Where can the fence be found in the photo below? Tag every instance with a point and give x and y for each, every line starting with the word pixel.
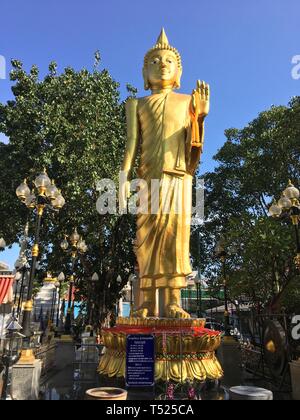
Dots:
pixel 46 353
pixel 87 353
pixel 267 346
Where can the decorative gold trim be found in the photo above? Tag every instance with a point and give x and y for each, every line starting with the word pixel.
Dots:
pixel 35 250
pixel 51 280
pixel 161 322
pixel 27 357
pixel 184 349
pixel 28 307
pixel 113 364
pixel 42 191
pixel 40 209
pixel 295 220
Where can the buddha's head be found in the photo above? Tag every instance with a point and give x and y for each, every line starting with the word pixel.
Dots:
pixel 162 66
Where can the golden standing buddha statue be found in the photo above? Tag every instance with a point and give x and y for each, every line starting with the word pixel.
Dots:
pixel 168 128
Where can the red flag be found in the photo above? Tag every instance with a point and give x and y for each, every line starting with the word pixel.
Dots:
pixel 6 283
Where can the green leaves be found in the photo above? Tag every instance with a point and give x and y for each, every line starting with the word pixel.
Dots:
pixel 73 124
pixel 253 166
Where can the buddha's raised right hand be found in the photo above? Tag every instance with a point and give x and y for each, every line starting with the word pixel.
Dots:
pixel 201 99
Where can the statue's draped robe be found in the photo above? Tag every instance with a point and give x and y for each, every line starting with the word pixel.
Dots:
pixel 162 244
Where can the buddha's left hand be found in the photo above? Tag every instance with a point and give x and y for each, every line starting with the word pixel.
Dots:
pixel 201 99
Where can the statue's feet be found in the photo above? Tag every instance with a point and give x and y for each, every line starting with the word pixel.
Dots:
pixel 174 311
pixel 144 311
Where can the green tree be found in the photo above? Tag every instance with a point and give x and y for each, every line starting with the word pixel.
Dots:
pixel 73 124
pixel 253 166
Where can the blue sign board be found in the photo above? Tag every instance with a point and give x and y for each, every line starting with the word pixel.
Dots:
pixel 140 361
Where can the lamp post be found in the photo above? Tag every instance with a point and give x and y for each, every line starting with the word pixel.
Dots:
pixel 289 206
pixel 23 286
pixel 77 246
pixel 45 195
pixel 94 281
pixel 12 345
pixel 222 254
pixel 53 303
pixel 132 278
pixel 199 294
pixel 198 280
pixel 60 280
pixel 18 278
pixel 21 266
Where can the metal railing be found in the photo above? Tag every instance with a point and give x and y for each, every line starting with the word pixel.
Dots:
pixel 87 353
pixel 267 347
pixel 46 353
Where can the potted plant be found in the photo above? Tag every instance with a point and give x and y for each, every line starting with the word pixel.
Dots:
pixel 185 391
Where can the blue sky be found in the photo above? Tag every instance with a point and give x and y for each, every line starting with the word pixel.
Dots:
pixel 243 49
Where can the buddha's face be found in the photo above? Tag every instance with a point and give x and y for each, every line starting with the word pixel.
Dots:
pixel 162 70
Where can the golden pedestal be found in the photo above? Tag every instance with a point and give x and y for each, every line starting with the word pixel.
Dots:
pixel 184 349
pixel 27 357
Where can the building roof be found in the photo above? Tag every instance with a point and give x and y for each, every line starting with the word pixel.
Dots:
pixel 3 266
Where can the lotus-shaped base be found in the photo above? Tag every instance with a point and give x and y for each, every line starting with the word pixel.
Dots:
pixel 184 349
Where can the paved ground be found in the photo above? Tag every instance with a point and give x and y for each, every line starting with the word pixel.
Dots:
pixel 70 383
pixel 73 381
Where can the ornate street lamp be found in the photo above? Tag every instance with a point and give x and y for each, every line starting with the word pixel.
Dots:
pixel 44 195
pixel 94 280
pixel 75 246
pixel 289 206
pixel 12 345
pixel 222 254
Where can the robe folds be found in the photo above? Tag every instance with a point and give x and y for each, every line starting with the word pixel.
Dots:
pixel 163 231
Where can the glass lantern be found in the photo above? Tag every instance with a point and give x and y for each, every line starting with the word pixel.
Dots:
pixel 275 210
pixel 291 192
pixel 52 191
pixel 11 345
pixel 23 191
pixel 59 202
pixel 74 238
pixel 42 181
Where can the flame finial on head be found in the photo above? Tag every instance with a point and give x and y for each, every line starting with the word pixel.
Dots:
pixel 162 39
